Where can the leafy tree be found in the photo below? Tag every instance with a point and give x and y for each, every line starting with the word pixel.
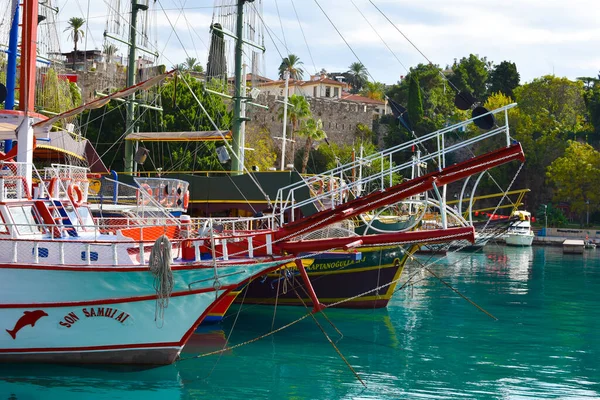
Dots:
pixel 358 76
pixel 298 110
pixel 292 64
pixel 264 154
pixel 575 176
pixel 312 130
pixel 415 101
pixel 57 95
pixel 592 101
pixel 471 73
pixel 75 32
pixel 109 51
pixel 181 113
pixel 550 112
pixel 191 64
pixel 504 78
pixel 437 97
pixel 373 90
pixel 555 216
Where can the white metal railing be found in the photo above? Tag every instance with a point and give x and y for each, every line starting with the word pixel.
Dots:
pixel 333 188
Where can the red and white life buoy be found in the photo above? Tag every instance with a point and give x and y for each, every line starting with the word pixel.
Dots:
pixel 141 199
pixel 52 186
pixel 75 194
pixel 186 199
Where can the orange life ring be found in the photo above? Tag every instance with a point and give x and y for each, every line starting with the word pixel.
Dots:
pixel 186 199
pixel 143 200
pixel 75 195
pixel 52 187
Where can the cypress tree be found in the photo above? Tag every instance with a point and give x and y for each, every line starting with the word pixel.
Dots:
pixel 415 102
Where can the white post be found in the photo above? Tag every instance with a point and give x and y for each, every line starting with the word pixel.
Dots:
pixel 25 149
pixel 243 115
pixel 286 76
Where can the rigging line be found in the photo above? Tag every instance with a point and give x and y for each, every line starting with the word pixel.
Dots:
pixel 343 38
pixel 280 23
pixel 304 36
pixel 413 45
pixel 377 33
pixel 191 37
pixel 460 294
pixel 251 175
pixel 172 29
pixel 269 33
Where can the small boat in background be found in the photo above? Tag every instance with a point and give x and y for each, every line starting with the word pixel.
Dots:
pixel 519 232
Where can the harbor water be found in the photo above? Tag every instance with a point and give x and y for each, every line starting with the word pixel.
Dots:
pixel 429 343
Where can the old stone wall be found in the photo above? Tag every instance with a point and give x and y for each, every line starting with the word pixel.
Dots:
pixel 101 80
pixel 339 117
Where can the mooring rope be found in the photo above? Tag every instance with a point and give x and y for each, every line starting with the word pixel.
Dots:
pixel 159 265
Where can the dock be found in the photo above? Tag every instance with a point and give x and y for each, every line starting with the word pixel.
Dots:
pixel 573 246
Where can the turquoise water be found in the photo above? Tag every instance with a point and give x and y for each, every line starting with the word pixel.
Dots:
pixel 429 343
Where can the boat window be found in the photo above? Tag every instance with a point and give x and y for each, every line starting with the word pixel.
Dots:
pixel 86 216
pixel 23 219
pixel 3 227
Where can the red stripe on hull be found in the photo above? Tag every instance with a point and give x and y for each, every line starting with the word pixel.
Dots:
pixel 149 356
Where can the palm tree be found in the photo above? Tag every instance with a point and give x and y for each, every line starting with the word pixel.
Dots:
pixel 109 51
pixel 191 64
pixel 298 110
pixel 312 130
pixel 292 64
pixel 358 76
pixel 373 90
pixel 75 32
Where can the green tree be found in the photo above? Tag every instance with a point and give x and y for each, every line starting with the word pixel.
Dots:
pixel 592 101
pixel 550 112
pixel 471 74
pixel 109 51
pixel 504 78
pixel 298 110
pixel 313 131
pixel 373 90
pixel 191 64
pixel 437 96
pixel 415 101
pixel 576 176
pixel 75 33
pixel 292 64
pixel 264 154
pixel 358 76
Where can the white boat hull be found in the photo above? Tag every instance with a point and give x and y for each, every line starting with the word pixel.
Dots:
pixel 106 315
pixel 519 240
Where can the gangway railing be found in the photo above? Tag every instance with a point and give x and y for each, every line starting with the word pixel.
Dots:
pixel 330 188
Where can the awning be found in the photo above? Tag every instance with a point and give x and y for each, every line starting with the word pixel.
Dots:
pixel 203 136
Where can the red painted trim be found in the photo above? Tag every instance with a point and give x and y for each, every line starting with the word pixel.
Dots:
pixel 90 348
pixel 136 268
pixel 131 299
pixel 19 113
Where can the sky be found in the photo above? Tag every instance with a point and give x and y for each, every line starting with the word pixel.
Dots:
pixel 541 36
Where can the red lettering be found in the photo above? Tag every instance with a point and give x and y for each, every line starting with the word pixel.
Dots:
pixel 113 313
pixel 64 324
pixel 101 311
pixel 92 313
pixel 120 316
pixel 86 312
pixel 69 319
pixel 127 316
pixel 74 316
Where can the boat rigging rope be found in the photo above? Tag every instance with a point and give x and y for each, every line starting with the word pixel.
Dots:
pixel 159 265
